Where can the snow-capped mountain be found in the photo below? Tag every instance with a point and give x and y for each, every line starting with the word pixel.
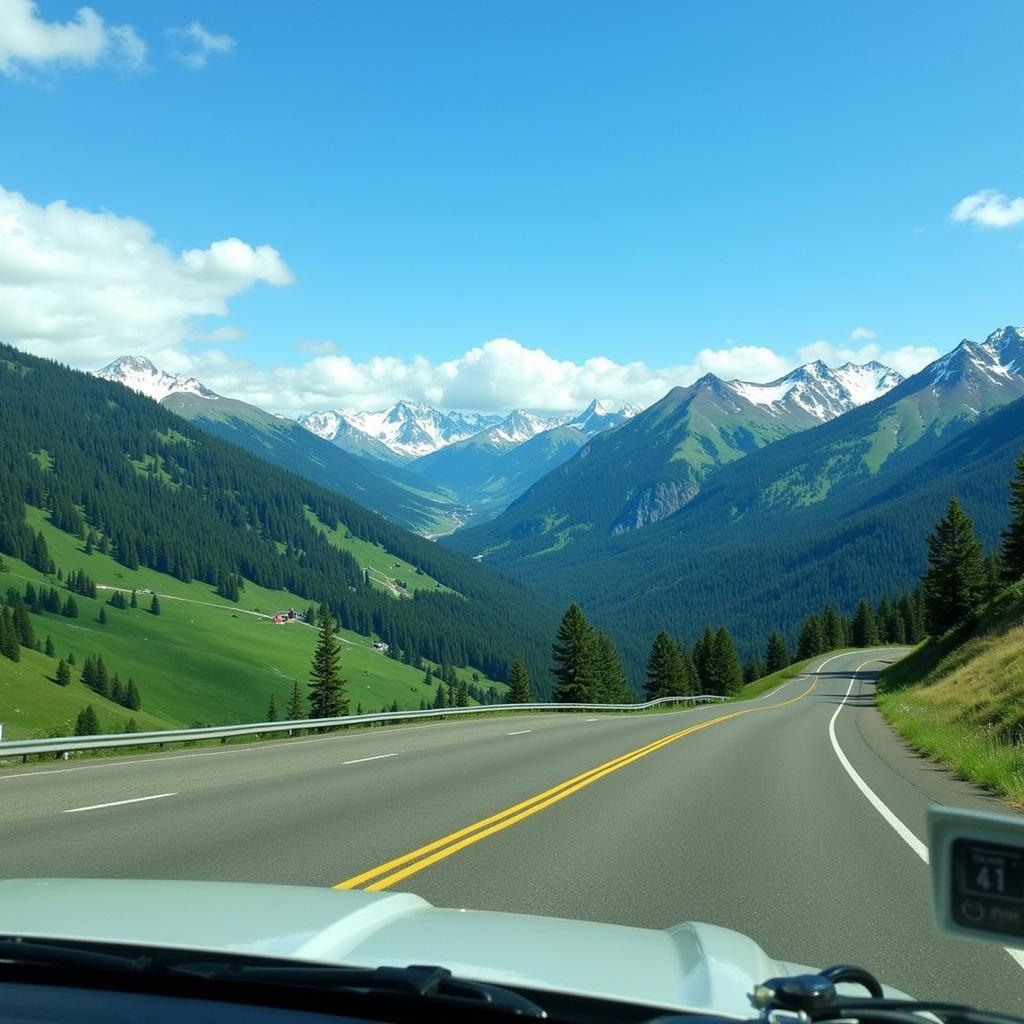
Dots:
pixel 999 357
pixel 139 374
pixel 819 390
pixel 599 416
pixel 519 426
pixel 409 429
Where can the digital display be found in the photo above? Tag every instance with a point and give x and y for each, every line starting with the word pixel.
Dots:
pixel 988 887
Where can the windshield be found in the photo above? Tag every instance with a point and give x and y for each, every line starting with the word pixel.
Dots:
pixel 551 458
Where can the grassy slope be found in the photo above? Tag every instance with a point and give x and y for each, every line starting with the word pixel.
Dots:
pixel 203 658
pixel 387 571
pixel 960 700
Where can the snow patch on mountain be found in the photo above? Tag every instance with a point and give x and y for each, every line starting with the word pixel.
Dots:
pixel 139 374
pixel 600 416
pixel 410 429
pixel 819 390
pixel 1000 355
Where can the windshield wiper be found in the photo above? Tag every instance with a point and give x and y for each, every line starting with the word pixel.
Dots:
pixel 418 980
pixel 45 953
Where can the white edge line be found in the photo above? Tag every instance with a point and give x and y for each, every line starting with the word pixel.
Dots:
pixel 118 803
pixel 376 757
pixel 897 826
pixel 521 732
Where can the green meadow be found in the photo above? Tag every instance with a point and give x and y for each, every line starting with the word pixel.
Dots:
pixel 202 659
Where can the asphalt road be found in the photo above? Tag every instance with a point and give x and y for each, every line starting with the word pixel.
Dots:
pixel 742 815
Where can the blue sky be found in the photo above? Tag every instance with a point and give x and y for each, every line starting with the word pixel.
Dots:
pixel 656 188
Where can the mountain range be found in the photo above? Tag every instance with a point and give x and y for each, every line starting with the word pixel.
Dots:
pixel 437 471
pixel 704 510
pixel 408 500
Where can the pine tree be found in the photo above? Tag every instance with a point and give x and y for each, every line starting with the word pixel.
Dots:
pixel 611 686
pixel 70 609
pixel 102 685
pixel 702 654
pixel 428 677
pixel 439 698
pixel 726 676
pixel 134 602
pixel 296 708
pixel 461 694
pixel 573 656
pixel 71 658
pixel 995 574
pixel 102 617
pixel 812 638
pixel 519 691
pixel 63 677
pixel 832 628
pixel 776 655
pixel 117 689
pixel 327 687
pixel 49 649
pixel 272 709
pixel 132 697
pixel 23 626
pixel 87 723
pixel 753 669
pixel 955 581
pixel 154 606
pixel 9 646
pixel 1013 535
pixel 865 626
pixel 913 627
pixel 664 676
pixel 89 672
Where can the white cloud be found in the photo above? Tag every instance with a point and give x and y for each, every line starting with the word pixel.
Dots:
pixel 29 42
pixel 907 359
pixel 862 334
pixel 989 208
pixel 494 377
pixel 86 287
pixel 194 45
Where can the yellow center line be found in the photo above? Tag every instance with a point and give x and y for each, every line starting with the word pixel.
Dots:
pixel 393 871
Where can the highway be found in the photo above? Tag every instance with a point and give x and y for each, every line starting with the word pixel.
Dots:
pixel 744 815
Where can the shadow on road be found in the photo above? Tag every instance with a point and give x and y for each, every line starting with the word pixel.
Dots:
pixel 855 700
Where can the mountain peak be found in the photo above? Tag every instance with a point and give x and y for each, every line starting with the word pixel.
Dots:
pixel 817 390
pixel 999 357
pixel 128 364
pixel 139 374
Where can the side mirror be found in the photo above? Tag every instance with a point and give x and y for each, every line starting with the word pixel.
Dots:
pixel 977 865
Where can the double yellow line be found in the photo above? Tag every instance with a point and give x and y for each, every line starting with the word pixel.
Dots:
pixel 394 871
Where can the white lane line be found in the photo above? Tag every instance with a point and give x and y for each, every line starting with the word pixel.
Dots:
pixel 119 803
pixel 521 732
pixel 376 757
pixel 897 826
pixel 593 719
pixel 894 823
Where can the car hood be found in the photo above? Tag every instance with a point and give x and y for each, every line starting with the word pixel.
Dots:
pixel 691 966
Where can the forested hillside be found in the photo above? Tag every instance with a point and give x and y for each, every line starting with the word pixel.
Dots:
pixel 756 564
pixel 157 492
pixel 403 498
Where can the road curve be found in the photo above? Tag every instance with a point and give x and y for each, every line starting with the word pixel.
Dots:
pixel 742 815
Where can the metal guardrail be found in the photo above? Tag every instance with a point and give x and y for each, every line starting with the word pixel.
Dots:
pixel 67 744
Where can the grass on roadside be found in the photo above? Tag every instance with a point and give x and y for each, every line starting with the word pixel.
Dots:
pixel 959 699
